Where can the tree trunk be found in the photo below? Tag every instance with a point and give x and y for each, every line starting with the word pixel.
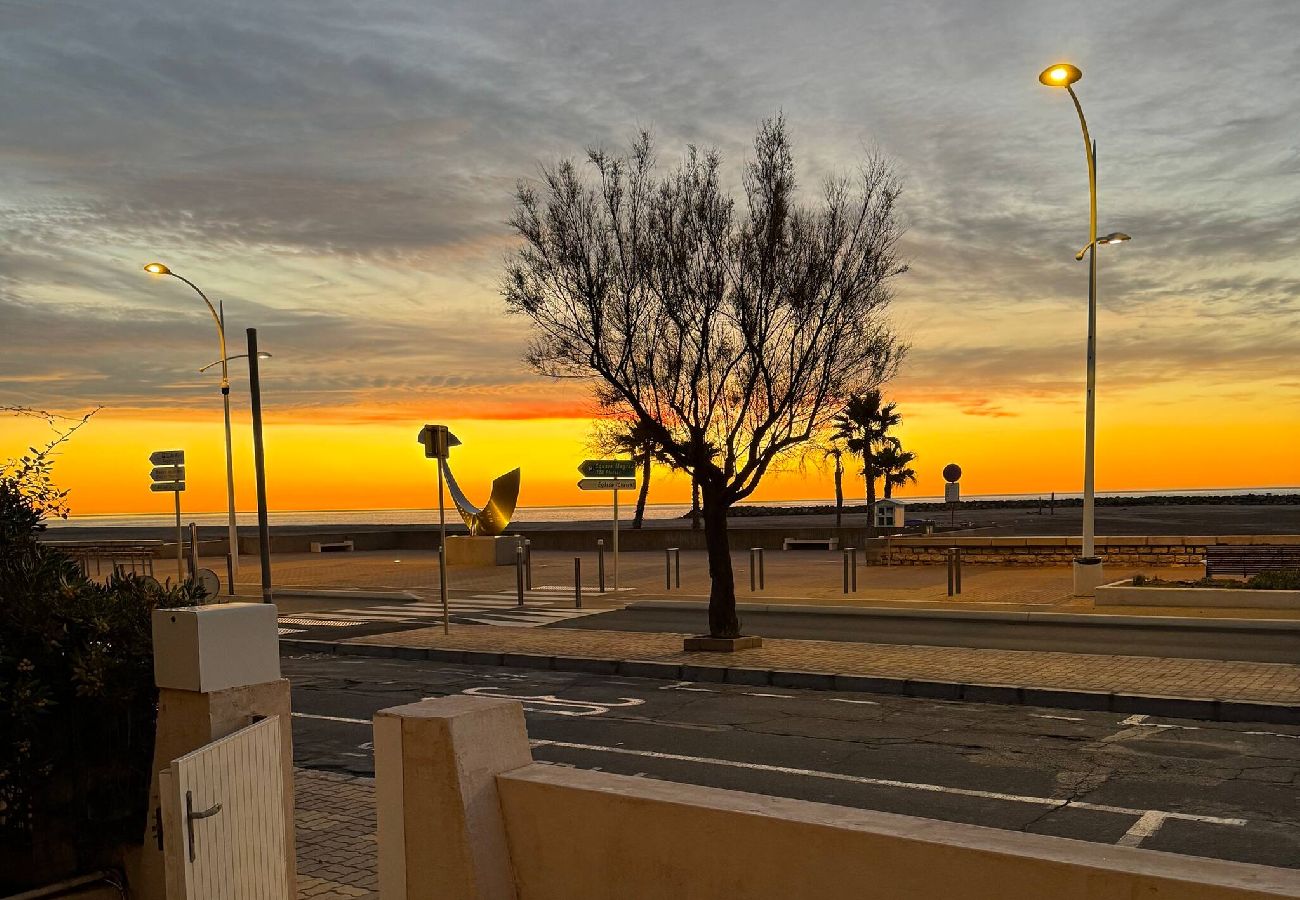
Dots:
pixel 889 487
pixel 839 492
pixel 695 503
pixel 868 473
pixel 645 491
pixel 723 622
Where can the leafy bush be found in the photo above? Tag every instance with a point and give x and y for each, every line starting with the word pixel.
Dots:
pixel 1275 580
pixel 1139 580
pixel 77 701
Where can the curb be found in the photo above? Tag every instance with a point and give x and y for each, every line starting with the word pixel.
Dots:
pixel 1005 694
pixel 962 615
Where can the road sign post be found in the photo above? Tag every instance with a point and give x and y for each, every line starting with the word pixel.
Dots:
pixel 609 475
pixel 259 464
pixel 168 475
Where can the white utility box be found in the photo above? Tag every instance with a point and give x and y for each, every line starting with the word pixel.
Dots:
pixel 210 648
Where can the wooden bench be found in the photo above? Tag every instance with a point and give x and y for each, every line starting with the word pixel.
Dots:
pixel 138 555
pixel 1234 559
pixel 810 543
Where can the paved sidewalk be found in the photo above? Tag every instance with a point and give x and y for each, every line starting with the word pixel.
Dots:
pixel 810 577
pixel 335 821
pixel 1131 675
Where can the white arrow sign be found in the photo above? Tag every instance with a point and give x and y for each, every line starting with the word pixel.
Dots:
pixel 168 473
pixel 161 486
pixel 607 484
pixel 167 457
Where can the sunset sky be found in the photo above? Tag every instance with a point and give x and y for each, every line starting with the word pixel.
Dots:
pixel 340 174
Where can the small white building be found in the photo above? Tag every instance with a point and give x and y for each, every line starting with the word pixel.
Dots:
pixel 888 513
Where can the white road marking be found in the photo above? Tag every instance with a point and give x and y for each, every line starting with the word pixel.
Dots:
pixel 846 700
pixel 549 703
pixel 886 782
pixel 1062 718
pixel 1146 825
pixel 697 690
pixel 345 719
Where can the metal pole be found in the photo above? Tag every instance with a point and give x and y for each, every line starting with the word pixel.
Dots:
pixel 668 568
pixel 677 558
pixel 853 567
pixel 259 463
pixel 232 528
pixel 180 543
pixel 230 576
pixel 577 582
pixel 528 564
pixel 615 540
pixel 957 568
pixel 762 574
pixel 194 550
pixel 753 572
pixel 950 572
pixel 844 555
pixel 600 562
pixel 519 574
pixel 442 555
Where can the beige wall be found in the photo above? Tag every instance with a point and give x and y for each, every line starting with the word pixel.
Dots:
pixel 1131 550
pixel 578 835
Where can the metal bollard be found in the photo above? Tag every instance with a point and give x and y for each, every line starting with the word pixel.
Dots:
pixel 957 567
pixel 600 563
pixel 677 566
pixel 954 571
pixel 844 557
pixel 194 550
pixel 671 553
pixel 756 570
pixel 577 582
pixel 853 568
pixel 528 564
pixel 230 574
pixel 519 574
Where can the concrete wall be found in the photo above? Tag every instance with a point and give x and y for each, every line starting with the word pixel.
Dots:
pixel 1131 550
pixel 454 780
pixel 1123 593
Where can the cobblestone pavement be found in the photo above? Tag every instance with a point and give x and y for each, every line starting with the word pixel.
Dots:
pixel 1216 679
pixel 810 577
pixel 335 819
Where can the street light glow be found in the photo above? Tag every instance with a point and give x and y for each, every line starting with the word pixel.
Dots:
pixel 157 268
pixel 1114 237
pixel 1060 75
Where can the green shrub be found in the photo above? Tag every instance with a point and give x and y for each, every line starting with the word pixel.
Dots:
pixel 1139 580
pixel 77 702
pixel 1275 580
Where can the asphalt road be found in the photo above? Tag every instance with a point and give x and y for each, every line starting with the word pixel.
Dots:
pixel 1205 789
pixel 1143 639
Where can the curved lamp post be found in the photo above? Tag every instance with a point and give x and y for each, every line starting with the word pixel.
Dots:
pixel 1087 568
pixel 157 268
pixel 261 354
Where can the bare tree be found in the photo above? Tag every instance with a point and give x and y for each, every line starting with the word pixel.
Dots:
pixel 733 332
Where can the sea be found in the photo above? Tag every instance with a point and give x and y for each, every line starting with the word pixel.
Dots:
pixel 527 514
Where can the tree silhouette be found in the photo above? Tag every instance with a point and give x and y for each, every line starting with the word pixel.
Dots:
pixel 738 328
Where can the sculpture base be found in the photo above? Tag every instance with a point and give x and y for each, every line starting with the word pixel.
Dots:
pixel 483 550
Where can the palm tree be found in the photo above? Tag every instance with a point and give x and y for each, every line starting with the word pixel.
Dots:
pixel 895 465
pixel 864 426
pixel 837 452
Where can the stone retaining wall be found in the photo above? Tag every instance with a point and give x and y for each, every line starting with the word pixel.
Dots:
pixel 1133 550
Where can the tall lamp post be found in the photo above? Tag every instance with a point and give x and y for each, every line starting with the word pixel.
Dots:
pixel 157 268
pixel 1088 571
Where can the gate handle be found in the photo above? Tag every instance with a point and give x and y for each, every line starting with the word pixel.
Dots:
pixel 191 815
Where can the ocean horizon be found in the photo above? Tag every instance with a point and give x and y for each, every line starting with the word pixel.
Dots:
pixel 577 513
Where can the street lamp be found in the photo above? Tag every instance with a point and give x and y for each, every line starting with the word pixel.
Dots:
pixel 157 268
pixel 1087 567
pixel 261 354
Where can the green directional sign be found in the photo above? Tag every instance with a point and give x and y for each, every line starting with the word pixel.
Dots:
pixel 608 468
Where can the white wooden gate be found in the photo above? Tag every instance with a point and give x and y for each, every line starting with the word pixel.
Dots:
pixel 224 819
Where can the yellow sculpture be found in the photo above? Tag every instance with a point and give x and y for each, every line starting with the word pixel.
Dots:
pixel 496 513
